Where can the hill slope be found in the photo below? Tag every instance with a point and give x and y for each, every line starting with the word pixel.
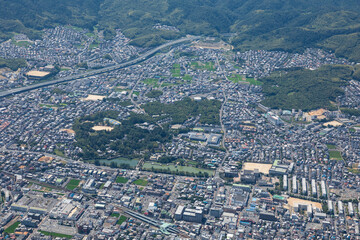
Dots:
pixel 267 24
pixel 306 89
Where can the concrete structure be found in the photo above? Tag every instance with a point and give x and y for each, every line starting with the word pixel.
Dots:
pixel 340 208
pixel 303 186
pixel 294 184
pixel 350 209
pixel 193 215
pixel 89 186
pixel 330 206
pixel 214 139
pixel 195 136
pixel 216 212
pixel 36 75
pixel 323 188
pixel 274 119
pixel 179 213
pixel 313 188
pixel 267 216
pixel 285 182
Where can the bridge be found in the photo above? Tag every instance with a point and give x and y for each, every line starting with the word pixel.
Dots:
pixel 135 61
pixel 166 228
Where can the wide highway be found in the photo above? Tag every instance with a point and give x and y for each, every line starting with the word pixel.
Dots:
pixel 137 60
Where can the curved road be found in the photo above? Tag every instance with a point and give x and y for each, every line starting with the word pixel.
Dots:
pixel 137 60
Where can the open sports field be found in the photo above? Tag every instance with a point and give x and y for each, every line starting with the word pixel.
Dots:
pixel 293 201
pixel 72 184
pixel 336 155
pixel 263 168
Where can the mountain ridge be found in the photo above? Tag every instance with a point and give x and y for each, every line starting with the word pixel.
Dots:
pixel 257 24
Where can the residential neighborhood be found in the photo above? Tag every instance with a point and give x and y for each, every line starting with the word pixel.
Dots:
pixel 220 166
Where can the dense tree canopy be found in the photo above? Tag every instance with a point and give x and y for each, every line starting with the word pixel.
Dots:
pixel 13 64
pixel 306 89
pixel 128 139
pixel 180 111
pixel 266 24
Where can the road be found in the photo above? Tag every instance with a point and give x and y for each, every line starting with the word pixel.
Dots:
pixel 137 60
pixel 131 95
pixel 222 124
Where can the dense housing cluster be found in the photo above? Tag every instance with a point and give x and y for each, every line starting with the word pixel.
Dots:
pixel 178 146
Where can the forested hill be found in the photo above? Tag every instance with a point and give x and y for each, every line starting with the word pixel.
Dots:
pixel 267 24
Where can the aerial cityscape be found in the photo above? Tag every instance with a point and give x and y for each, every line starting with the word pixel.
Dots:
pixel 191 138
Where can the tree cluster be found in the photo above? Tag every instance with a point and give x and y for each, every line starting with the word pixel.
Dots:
pixel 306 89
pixel 125 139
pixel 180 111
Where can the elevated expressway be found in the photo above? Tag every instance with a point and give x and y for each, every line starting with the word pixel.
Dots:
pixel 137 60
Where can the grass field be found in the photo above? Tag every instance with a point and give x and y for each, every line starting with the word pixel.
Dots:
pixel 176 70
pixel 140 182
pixel 354 170
pixel 72 184
pixel 331 146
pixel 12 228
pixel 22 43
pixel 121 180
pixel 172 167
pixel 151 81
pixel 252 81
pixel 236 78
pixel 187 77
pixel 335 155
pixel 59 153
pixel 167 84
pixel 209 66
pixel 94 45
pixel 52 234
pixel 121 220
pixel 115 215
pixel 90 34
